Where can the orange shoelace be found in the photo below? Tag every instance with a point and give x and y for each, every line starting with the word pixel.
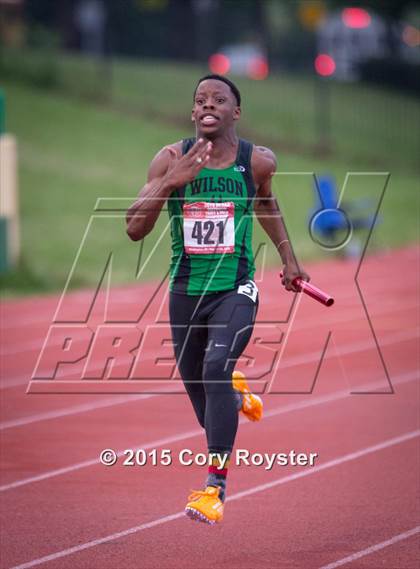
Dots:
pixel 196 494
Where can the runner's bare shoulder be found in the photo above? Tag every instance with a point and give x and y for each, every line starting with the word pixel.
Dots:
pixel 160 163
pixel 263 163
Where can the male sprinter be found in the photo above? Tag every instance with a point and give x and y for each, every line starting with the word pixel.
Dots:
pixel 213 183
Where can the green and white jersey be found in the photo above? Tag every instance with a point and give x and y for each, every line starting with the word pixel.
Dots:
pixel 211 227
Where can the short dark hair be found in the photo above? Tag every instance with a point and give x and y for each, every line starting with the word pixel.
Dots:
pixel 228 82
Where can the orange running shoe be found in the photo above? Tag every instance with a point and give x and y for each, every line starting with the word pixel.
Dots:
pixel 252 405
pixel 205 506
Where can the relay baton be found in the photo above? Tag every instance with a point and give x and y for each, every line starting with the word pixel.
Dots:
pixel 313 291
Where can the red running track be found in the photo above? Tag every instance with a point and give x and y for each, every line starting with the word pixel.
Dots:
pixel 357 507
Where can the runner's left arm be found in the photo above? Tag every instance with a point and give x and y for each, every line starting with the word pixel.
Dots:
pixel 269 215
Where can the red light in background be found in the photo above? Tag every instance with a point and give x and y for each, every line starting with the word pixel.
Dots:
pixel 356 18
pixel 324 65
pixel 411 36
pixel 219 63
pixel 258 68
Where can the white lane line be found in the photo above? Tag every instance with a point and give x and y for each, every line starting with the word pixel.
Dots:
pixel 349 316
pixel 120 295
pixel 400 379
pixel 14 382
pixel 290 362
pixel 347 349
pixel 88 545
pixel 73 410
pixel 95 461
pixel 372 549
pixel 312 402
pixel 133 293
pixel 260 488
pixel 331 463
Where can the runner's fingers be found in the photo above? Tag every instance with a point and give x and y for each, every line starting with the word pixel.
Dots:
pixel 196 148
pixel 203 152
pixel 203 163
pixel 288 284
pixel 201 159
pixel 200 152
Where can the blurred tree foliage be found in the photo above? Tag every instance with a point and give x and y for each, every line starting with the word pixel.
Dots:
pixel 179 29
pixel 191 30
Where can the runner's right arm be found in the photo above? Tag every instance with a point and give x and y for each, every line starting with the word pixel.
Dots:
pixel 167 172
pixel 143 213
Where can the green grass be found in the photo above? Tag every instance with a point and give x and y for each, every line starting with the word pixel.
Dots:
pixel 73 151
pixel 369 126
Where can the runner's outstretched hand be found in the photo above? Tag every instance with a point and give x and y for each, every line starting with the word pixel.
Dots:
pixel 183 170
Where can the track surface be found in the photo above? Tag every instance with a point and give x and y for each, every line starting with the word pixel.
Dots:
pixel 357 507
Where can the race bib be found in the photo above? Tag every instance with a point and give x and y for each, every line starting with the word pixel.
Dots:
pixel 209 227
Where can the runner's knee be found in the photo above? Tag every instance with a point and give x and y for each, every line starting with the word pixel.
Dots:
pixel 216 375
